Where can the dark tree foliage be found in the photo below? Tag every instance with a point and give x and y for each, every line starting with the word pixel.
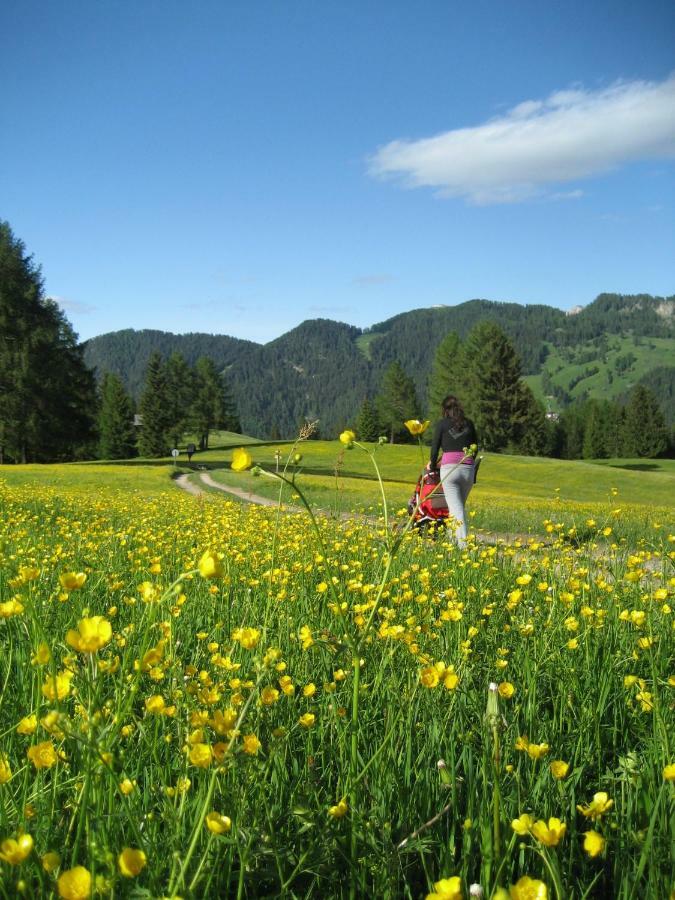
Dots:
pixel 117 432
pixel 154 439
pixel 447 373
pixel 47 394
pixel 644 427
pixel 180 388
pixel 367 423
pixel 492 392
pixel 319 371
pixel 397 402
pixel 212 405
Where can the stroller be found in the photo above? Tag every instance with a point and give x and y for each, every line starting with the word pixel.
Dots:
pixel 427 505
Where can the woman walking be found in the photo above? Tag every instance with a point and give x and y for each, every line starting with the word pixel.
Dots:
pixel 452 434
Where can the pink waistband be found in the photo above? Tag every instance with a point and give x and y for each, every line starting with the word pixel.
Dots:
pixel 455 456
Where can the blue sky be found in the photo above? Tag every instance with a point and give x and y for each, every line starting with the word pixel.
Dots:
pixel 238 167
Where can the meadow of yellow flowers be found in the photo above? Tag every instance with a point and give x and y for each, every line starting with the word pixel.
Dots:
pixel 205 699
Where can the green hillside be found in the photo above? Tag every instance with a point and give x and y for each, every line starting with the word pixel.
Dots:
pixel 605 369
pixel 323 370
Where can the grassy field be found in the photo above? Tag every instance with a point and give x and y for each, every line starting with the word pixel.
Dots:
pixel 203 698
pixel 513 494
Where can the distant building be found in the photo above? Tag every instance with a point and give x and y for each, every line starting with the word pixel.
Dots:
pixel 138 420
pixel 574 311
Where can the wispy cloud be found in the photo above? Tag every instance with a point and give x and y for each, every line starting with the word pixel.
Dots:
pixel 572 134
pixel 373 280
pixel 74 306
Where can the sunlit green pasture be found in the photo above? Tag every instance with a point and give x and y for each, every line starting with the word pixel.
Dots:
pixel 270 707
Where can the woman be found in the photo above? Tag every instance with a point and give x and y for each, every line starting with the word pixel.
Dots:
pixel 452 434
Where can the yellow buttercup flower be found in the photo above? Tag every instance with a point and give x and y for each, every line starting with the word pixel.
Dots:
pixel 522 824
pixel 131 862
pixel 217 823
pixel 599 805
pixel 201 755
pixel 347 437
pixel 307 720
pixel 506 690
pixel 51 861
pixel 210 565
pixel 75 884
pixel 27 725
pixel 559 768
pixel 549 833
pixel 250 744
pixel 15 851
pixel 668 772
pixel 447 889
pixel 5 769
pixel 527 888
pixel 340 809
pixel 594 843
pixel 91 634
pixel 42 655
pixel 43 755
pixel 536 751
pixel 416 427
pixel 72 581
pixel 241 460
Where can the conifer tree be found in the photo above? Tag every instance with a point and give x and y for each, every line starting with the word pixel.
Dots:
pixel 644 431
pixel 447 374
pixel 180 381
pixel 397 401
pixel 153 407
pixel 47 394
pixel 117 432
pixel 494 397
pixel 367 426
pixel 531 435
pixel 212 405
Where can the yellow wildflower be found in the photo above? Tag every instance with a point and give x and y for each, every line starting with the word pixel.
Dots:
pixel 15 851
pixel 131 862
pixel 550 834
pixel 599 805
pixel 446 889
pixel 210 565
pixel 594 843
pixel 75 884
pixel 91 634
pixel 241 460
pixel 217 823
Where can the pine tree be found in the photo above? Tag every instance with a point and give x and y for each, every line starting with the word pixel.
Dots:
pixel 447 374
pixel 531 436
pixel 645 432
pixel 493 396
pixel 212 405
pixel 153 407
pixel 367 425
pixel 179 387
pixel 117 433
pixel 47 394
pixel 397 401
pixel 595 432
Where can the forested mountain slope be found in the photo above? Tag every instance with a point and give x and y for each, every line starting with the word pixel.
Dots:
pixel 323 369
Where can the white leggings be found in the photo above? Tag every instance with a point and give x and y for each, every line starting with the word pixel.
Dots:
pixel 457 480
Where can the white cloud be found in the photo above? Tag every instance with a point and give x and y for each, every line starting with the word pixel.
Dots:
pixel 573 134
pixel 74 306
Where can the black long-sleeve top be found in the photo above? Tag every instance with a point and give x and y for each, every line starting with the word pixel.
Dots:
pixel 450 440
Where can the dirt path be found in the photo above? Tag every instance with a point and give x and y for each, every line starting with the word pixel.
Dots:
pixel 183 482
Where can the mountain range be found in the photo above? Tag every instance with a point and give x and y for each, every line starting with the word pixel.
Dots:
pixel 323 370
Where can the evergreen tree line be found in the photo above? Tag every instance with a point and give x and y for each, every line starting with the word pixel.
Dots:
pixel 47 393
pixel 484 371
pixel 50 408
pixel 176 398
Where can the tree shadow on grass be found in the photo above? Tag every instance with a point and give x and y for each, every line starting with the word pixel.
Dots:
pixel 637 467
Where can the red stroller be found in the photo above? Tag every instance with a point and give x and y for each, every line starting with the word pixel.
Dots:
pixel 427 505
